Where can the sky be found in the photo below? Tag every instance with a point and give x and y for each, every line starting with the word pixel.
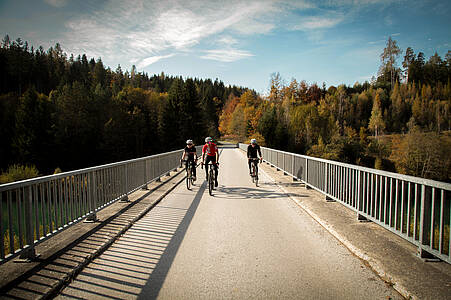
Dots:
pixel 238 42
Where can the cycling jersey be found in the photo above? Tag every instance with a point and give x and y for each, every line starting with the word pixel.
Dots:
pixel 210 149
pixel 190 152
pixel 252 151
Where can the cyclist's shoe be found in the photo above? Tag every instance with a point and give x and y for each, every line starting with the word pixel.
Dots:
pixel 194 178
pixel 216 183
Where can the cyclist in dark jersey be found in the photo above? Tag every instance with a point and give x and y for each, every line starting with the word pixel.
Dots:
pixel 190 155
pixel 252 151
pixel 210 153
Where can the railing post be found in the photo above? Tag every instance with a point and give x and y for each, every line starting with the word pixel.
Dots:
pixel 360 217
pixel 421 252
pixel 306 175
pixel 145 176
pixel 125 185
pixel 29 252
pixel 326 189
pixel 93 199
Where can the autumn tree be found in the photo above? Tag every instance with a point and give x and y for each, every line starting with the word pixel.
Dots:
pixel 388 58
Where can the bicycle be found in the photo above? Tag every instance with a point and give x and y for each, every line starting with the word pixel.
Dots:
pixel 211 178
pixel 254 170
pixel 189 166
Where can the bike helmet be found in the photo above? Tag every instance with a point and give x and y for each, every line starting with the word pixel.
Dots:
pixel 208 139
pixel 254 141
pixel 189 142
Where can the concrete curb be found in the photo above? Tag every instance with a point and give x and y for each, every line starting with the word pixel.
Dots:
pixel 56 288
pixel 374 264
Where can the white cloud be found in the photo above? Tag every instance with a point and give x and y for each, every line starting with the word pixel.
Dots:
pixel 150 60
pixel 227 40
pixel 315 23
pixel 139 30
pixel 56 3
pixel 226 55
pixel 143 29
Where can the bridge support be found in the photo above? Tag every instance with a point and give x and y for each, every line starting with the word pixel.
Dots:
pixel 308 187
pixel 145 188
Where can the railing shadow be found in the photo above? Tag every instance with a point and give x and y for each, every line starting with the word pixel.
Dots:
pixel 137 264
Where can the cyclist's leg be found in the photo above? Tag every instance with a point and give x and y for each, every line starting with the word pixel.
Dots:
pixel 194 167
pixel 249 162
pixel 215 166
pixel 207 160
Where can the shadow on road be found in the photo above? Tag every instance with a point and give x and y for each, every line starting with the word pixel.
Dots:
pixel 234 193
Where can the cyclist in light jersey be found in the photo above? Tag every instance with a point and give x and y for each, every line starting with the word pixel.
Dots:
pixel 210 153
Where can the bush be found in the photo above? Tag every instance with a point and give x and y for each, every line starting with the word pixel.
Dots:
pixel 18 172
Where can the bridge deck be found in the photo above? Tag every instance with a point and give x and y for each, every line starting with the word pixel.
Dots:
pixel 244 242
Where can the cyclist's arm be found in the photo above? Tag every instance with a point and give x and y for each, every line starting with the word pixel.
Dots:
pixel 260 152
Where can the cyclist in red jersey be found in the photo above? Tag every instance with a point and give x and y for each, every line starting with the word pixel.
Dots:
pixel 210 153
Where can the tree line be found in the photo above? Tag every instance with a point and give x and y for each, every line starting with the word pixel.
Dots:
pixel 400 121
pixel 73 112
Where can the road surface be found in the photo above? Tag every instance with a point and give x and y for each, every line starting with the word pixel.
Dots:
pixel 244 242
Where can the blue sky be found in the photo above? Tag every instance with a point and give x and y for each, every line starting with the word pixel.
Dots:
pixel 238 42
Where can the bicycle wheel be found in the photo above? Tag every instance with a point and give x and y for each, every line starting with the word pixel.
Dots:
pixel 210 182
pixel 188 178
pixel 192 177
pixel 253 172
pixel 256 174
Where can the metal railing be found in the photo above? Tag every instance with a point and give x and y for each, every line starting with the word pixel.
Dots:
pixel 33 210
pixel 416 209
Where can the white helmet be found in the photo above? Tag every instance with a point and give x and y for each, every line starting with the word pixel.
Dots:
pixel 189 142
pixel 253 141
pixel 208 139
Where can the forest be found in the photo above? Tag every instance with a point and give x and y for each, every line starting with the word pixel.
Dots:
pixel 64 113
pixel 59 113
pixel 399 122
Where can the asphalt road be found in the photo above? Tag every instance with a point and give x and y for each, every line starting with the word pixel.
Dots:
pixel 244 242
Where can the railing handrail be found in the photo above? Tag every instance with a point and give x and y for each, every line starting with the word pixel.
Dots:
pixel 419 180
pixel 413 208
pixel 40 179
pixel 38 208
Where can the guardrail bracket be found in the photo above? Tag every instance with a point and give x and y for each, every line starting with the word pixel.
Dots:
pixel 426 256
pixel 362 218
pixel 329 199
pixel 28 255
pixel 92 218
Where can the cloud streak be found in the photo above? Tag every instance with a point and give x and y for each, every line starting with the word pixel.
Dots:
pixel 56 3
pixel 226 55
pixel 142 31
pixel 151 60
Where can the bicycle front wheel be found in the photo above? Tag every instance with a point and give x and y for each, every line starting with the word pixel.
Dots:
pixel 256 176
pixel 188 178
pixel 210 182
